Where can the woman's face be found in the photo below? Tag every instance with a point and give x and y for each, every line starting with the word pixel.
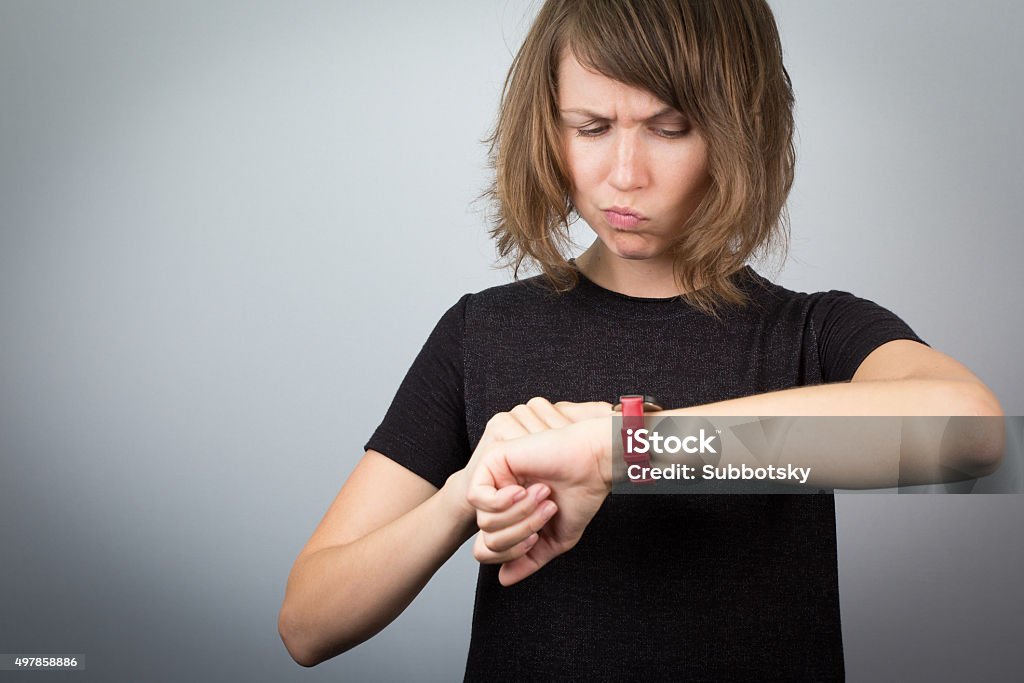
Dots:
pixel 628 151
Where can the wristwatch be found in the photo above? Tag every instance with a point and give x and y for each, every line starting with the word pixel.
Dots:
pixel 633 407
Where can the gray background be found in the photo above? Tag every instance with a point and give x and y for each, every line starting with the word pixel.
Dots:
pixel 227 228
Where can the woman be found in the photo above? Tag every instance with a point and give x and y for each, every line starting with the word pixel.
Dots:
pixel 667 126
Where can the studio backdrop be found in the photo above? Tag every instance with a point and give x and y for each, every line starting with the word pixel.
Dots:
pixel 226 228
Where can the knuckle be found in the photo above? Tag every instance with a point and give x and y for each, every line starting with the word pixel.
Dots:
pixel 538 402
pixel 485 544
pixel 497 419
pixel 494 541
pixel 526 505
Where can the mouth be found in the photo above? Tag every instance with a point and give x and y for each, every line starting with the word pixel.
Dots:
pixel 623 218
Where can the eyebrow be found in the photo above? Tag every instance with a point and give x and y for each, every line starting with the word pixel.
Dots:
pixel 664 111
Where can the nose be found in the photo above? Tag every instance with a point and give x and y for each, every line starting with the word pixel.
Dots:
pixel 628 164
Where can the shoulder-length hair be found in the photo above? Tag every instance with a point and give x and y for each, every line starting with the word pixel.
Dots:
pixel 719 63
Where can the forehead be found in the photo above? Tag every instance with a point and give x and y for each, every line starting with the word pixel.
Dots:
pixel 584 89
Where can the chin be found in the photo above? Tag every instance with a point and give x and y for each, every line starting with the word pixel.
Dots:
pixel 632 246
pixel 634 255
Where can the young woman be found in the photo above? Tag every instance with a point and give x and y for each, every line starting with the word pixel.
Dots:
pixel 666 125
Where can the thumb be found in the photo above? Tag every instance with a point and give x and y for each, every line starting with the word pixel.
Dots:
pixel 485 496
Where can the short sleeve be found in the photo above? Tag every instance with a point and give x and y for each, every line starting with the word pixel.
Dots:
pixel 424 430
pixel 848 329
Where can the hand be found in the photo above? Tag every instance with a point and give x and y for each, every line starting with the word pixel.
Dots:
pixel 509 533
pixel 509 529
pixel 536 415
pixel 574 461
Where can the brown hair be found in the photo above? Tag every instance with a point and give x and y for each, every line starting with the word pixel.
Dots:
pixel 719 63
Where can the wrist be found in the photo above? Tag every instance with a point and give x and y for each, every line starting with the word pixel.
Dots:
pixel 458 507
pixel 602 449
pixel 630 461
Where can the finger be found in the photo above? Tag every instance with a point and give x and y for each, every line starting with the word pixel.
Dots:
pixel 485 555
pixel 548 413
pixel 515 493
pixel 518 511
pixel 539 555
pixel 492 473
pixel 528 419
pixel 505 539
pixel 503 426
pixel 578 412
pixel 484 495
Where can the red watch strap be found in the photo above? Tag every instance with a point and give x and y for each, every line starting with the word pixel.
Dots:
pixel 632 412
pixel 632 420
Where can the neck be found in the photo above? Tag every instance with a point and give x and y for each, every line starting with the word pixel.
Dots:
pixel 646 278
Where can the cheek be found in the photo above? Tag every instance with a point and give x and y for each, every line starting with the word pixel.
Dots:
pixel 582 167
pixel 587 160
pixel 691 175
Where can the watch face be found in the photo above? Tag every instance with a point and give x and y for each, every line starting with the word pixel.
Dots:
pixel 651 405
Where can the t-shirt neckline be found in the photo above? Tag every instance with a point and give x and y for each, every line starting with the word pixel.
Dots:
pixel 641 308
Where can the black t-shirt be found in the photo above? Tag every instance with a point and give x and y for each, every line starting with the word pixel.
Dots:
pixel 672 587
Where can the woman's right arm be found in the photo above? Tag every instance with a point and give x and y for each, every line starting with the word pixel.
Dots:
pixel 387 532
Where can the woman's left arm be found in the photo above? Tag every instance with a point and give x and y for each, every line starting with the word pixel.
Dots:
pixel 900 377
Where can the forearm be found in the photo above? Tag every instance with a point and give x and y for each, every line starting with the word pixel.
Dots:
pixel 882 397
pixel 843 452
pixel 340 596
pixel 861 452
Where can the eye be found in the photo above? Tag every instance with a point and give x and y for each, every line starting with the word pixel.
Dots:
pixel 671 133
